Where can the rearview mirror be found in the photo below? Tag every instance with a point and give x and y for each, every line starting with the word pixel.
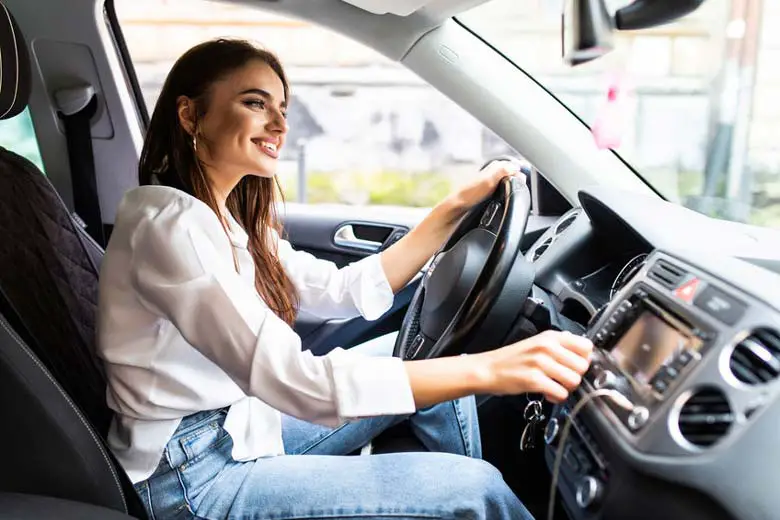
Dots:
pixel 642 14
pixel 591 25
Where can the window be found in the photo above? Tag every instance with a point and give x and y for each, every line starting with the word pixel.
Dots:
pixel 363 130
pixel 17 134
pixel 701 116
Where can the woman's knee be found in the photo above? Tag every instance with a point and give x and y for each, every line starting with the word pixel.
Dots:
pixel 483 493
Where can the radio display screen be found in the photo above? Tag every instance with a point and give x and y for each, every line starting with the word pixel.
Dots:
pixel 648 345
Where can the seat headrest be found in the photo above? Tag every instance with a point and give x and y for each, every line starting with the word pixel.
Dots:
pixel 15 79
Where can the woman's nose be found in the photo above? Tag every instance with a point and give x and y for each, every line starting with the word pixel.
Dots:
pixel 278 123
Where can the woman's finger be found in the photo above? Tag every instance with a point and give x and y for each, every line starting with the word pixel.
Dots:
pixel 560 373
pixel 580 345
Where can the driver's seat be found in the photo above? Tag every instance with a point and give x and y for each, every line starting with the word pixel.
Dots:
pixel 52 389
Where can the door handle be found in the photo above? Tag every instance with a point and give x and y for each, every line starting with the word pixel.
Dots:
pixel 345 237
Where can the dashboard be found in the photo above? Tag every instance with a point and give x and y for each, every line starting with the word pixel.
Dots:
pixel 684 311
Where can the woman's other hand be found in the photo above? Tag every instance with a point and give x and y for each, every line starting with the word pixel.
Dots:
pixel 404 259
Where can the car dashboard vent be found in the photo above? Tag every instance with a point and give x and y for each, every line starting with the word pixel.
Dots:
pixel 756 359
pixel 539 251
pixel 706 417
pixel 564 224
pixel 666 274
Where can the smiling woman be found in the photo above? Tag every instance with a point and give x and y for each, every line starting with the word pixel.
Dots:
pixel 226 116
pixel 205 373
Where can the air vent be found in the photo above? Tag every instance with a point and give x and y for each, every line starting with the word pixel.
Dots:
pixel 666 274
pixel 756 359
pixel 565 223
pixel 539 251
pixel 705 417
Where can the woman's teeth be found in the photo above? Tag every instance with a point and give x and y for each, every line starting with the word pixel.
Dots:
pixel 269 146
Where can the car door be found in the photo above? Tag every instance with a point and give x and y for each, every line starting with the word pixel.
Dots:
pixel 343 235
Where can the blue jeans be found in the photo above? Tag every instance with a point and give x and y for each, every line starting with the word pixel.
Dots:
pixel 198 479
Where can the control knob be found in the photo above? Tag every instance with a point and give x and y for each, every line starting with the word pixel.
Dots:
pixel 605 379
pixel 589 491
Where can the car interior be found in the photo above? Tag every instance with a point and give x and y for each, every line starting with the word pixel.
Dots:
pixel 677 416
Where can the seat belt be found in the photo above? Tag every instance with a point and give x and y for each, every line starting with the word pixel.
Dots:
pixel 76 106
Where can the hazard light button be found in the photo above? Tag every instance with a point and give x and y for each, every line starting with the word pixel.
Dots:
pixel 687 291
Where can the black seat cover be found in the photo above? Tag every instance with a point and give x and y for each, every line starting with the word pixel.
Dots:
pixel 52 386
pixel 48 280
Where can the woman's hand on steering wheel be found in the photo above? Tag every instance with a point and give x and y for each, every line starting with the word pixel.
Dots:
pixel 484 185
pixel 551 363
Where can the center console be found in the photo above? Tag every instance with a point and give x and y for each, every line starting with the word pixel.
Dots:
pixel 657 344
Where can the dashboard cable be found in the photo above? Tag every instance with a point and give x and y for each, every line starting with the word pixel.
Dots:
pixel 616 397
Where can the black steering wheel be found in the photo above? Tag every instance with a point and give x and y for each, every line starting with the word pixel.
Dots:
pixel 473 289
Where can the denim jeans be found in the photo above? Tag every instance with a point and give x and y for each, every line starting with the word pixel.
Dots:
pixel 198 479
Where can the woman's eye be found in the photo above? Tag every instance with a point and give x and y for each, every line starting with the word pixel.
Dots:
pixel 255 103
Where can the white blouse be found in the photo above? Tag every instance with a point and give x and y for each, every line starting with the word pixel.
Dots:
pixel 181 331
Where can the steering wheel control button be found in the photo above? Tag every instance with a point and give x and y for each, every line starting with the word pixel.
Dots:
pixel 638 418
pixel 551 431
pixel 489 214
pixel 589 492
pixel 415 347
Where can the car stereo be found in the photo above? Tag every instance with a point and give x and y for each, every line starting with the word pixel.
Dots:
pixel 644 349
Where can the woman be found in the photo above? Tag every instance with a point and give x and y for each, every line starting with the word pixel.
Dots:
pixel 210 387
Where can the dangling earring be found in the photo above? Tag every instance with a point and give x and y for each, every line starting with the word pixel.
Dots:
pixel 194 143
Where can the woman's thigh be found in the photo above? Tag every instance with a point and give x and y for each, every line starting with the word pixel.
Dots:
pixel 401 485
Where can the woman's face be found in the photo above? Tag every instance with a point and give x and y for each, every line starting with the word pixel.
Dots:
pixel 244 126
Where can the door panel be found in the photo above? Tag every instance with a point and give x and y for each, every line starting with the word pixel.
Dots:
pixel 345 234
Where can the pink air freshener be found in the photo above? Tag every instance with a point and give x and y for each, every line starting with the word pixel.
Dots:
pixel 610 121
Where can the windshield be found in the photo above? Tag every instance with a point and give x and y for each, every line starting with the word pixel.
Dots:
pixel 696 114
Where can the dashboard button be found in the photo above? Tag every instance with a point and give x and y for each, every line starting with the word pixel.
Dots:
pixel 670 372
pixel 589 491
pixel 660 384
pixel 685 357
pixel 720 305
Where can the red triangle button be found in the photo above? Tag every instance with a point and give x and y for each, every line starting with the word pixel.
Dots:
pixel 687 291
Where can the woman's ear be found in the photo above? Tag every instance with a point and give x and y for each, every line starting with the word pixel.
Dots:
pixel 185 109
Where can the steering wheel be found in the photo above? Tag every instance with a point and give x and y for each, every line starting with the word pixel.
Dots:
pixel 471 293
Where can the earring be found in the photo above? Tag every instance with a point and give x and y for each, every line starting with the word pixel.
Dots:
pixel 194 143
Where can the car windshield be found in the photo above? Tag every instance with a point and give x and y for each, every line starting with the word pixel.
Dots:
pixel 693 109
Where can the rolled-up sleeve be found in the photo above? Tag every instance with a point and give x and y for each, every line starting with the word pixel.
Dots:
pixel 329 292
pixel 180 274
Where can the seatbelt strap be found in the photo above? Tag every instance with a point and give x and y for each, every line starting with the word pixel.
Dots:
pixel 76 108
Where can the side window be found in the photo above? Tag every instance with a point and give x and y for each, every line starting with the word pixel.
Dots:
pixel 17 134
pixel 363 129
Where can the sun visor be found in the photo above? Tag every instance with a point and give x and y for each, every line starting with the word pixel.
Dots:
pixel 407 7
pixel 396 7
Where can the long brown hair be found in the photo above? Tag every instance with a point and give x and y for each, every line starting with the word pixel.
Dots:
pixel 169 156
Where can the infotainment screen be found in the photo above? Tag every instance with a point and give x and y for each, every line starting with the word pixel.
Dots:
pixel 649 344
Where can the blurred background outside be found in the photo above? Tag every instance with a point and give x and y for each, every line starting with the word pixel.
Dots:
pixel 701 113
